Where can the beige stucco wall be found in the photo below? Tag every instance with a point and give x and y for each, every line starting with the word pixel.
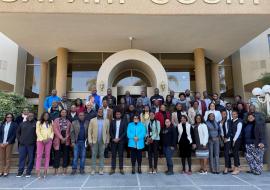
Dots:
pixel 170 7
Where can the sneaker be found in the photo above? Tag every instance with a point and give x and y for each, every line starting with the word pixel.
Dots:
pixel 82 172
pixel 19 174
pixel 150 171
pixel 93 172
pixel 28 175
pixel 101 172
pixel 155 171
pixel 5 174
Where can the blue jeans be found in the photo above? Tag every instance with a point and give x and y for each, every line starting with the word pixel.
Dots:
pixel 24 152
pixel 79 152
pixel 168 152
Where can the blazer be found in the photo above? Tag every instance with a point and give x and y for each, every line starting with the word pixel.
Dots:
pixel 57 134
pixel 93 131
pixel 11 133
pixel 203 106
pixel 136 131
pixel 175 121
pixel 44 133
pixel 189 130
pixel 259 134
pixel 75 130
pixel 122 130
pixel 203 134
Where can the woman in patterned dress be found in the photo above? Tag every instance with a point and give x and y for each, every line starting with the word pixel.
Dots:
pixel 254 139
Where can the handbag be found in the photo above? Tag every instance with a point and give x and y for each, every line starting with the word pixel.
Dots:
pixel 202 153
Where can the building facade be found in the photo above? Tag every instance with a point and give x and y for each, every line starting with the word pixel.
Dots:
pixel 138 45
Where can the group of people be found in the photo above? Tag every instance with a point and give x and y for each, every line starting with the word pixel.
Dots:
pixel 155 125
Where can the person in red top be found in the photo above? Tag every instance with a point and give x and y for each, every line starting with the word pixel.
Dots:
pixel 161 116
pixel 79 106
pixel 202 104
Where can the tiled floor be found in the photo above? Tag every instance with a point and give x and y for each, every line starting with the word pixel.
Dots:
pixel 140 182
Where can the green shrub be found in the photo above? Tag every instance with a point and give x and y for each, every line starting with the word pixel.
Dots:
pixel 12 103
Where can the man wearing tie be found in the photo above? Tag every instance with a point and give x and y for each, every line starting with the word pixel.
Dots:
pixel 229 111
pixel 118 132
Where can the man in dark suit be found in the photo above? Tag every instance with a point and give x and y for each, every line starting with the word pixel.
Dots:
pixel 118 132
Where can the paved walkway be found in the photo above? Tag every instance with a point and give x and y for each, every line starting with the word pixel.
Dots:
pixel 140 182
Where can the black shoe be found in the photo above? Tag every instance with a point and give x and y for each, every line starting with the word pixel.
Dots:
pixel 82 172
pixel 73 172
pixel 122 172
pixel 133 170
pixel 112 172
pixel 139 170
pixel 28 174
pixel 20 174
pixel 169 173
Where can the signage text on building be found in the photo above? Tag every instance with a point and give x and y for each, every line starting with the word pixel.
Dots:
pixel 159 2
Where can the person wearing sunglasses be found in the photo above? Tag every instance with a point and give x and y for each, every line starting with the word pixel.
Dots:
pixel 7 139
pixel 136 133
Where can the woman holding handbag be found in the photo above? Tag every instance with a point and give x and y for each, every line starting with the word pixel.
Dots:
pixel 201 139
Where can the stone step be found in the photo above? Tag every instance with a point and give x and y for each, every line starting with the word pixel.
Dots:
pixel 162 167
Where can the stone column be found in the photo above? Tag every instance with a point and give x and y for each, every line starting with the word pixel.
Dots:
pixel 215 78
pixel 43 86
pixel 61 71
pixel 199 62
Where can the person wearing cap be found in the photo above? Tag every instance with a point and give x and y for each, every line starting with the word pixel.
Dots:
pixel 136 133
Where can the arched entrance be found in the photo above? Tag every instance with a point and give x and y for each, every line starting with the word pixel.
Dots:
pixel 140 63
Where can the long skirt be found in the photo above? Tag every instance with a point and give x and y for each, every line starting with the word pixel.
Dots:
pixel 254 157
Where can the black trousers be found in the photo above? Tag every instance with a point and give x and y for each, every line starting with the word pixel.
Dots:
pixel 227 148
pixel 117 148
pixel 153 153
pixel 136 155
pixel 236 148
pixel 62 152
pixel 161 146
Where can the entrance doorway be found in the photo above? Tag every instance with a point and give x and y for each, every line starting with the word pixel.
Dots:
pixel 132 70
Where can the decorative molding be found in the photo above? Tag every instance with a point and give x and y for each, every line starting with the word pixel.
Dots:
pixel 158 2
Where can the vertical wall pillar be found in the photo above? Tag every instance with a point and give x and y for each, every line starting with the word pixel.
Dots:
pixel 43 86
pixel 61 71
pixel 215 78
pixel 200 75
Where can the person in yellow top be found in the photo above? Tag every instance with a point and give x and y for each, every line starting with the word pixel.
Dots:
pixel 44 130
